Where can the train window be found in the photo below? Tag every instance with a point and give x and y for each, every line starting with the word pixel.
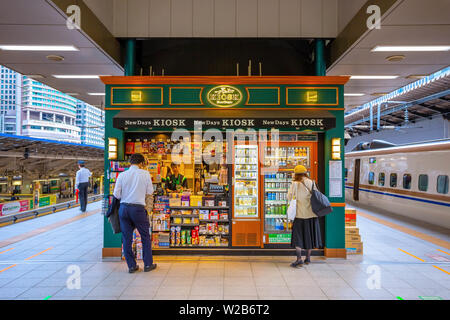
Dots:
pixel 407 181
pixel 393 180
pixel 381 178
pixel 423 182
pixel 442 184
pixel 371 177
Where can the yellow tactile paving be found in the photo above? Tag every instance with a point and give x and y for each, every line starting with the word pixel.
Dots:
pixel 417 234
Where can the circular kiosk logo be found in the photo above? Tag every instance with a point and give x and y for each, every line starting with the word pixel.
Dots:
pixel 224 96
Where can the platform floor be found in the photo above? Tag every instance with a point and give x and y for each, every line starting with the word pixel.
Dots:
pixel 35 257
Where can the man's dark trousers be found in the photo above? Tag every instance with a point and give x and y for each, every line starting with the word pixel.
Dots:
pixel 131 217
pixel 83 195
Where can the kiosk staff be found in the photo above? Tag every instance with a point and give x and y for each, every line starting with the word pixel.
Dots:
pixel 175 181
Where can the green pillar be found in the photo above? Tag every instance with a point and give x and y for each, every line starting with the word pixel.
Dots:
pixel 319 57
pixel 130 57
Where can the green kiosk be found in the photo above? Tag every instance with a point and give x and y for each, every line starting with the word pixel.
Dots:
pixel 262 126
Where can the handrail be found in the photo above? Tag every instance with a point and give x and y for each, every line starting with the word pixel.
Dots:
pixel 34 213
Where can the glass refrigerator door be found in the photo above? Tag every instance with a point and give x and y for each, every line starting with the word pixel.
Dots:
pixel 277 181
pixel 246 181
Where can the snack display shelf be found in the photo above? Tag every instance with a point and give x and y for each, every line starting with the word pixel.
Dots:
pixel 202 207
pixel 185 224
pixel 212 220
pixel 184 215
pixel 245 179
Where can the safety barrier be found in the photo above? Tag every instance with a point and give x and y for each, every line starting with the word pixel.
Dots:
pixel 39 212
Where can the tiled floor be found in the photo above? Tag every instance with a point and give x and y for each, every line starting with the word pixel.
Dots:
pixel 46 276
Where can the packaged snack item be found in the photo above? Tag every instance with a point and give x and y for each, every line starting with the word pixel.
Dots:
pixel 217 241
pixel 216 227
pixel 187 220
pixel 178 236
pixel 172 236
pixel 202 240
pixel 202 229
pixel 222 203
pixel 138 147
pixel 214 215
pixel 223 215
pixel 188 238
pixel 129 147
pixel 183 237
pixel 204 214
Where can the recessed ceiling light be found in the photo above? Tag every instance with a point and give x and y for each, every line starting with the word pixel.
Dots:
pixel 96 93
pixel 66 76
pixel 376 94
pixel 395 58
pixel 353 94
pixel 54 57
pixel 37 48
pixel 72 93
pixel 372 77
pixel 410 48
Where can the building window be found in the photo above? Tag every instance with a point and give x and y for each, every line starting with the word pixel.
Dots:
pixel 423 182
pixel 442 184
pixel 393 180
pixel 407 181
pixel 371 177
pixel 381 177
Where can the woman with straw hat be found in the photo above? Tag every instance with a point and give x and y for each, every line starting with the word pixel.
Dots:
pixel 306 229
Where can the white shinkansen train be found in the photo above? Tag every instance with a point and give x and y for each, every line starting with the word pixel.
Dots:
pixel 409 180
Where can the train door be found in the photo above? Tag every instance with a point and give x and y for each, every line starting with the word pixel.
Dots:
pixel 356 180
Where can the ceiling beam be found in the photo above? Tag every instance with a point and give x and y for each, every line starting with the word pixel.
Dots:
pixel 432 108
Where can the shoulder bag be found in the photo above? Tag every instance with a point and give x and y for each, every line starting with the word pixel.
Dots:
pixel 320 204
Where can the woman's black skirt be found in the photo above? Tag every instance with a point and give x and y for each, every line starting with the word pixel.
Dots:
pixel 306 233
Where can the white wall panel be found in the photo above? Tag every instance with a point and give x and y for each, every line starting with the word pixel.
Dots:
pixel 137 18
pixel 159 18
pixel 311 16
pixel 203 18
pixel 181 18
pixel 225 18
pixel 246 18
pixel 290 18
pixel 120 18
pixel 268 18
pixel 329 18
pixel 221 18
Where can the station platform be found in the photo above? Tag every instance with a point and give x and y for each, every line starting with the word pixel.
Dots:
pixel 401 261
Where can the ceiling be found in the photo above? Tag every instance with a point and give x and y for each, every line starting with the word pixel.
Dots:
pixel 41 22
pixel 46 158
pixel 409 22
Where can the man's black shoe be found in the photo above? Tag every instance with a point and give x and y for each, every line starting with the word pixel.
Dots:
pixel 133 270
pixel 150 268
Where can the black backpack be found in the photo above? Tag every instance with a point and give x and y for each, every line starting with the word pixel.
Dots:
pixel 320 204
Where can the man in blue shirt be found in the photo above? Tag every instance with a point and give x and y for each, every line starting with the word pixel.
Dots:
pixel 131 188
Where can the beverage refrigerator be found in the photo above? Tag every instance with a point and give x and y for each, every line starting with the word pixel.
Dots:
pixel 277 171
pixel 246 218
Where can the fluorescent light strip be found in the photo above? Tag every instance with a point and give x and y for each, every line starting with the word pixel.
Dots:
pixel 37 48
pixel 354 94
pixel 373 77
pixel 96 93
pixel 410 48
pixel 64 76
